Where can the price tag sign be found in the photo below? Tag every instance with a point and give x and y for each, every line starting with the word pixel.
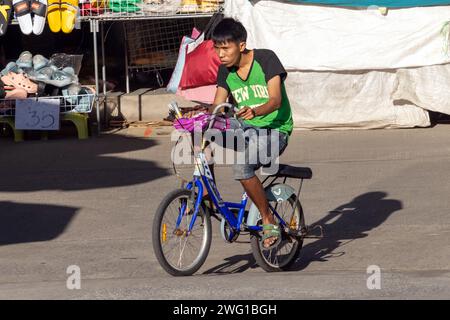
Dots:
pixel 42 114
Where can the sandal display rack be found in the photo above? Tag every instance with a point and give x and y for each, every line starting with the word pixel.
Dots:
pixel 179 9
pixel 74 108
pixel 81 103
pixel 163 15
pixel 145 9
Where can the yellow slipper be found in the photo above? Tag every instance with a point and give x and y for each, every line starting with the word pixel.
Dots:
pixel 69 10
pixel 5 13
pixel 54 15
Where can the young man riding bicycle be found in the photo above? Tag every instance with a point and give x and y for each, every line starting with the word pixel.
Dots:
pixel 254 79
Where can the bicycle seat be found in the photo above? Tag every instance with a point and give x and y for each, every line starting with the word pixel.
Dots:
pixel 289 171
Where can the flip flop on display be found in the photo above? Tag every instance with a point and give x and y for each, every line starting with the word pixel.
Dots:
pixel 39 9
pixel 124 6
pixel 39 62
pixel 5 14
pixel 25 60
pixel 54 15
pixel 23 15
pixel 69 10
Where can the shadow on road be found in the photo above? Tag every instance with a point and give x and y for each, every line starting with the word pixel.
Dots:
pixel 234 264
pixel 71 165
pixel 22 223
pixel 346 223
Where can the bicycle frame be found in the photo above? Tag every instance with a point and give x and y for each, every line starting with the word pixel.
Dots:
pixel 203 177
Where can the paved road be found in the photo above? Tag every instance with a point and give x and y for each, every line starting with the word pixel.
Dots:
pixel 382 197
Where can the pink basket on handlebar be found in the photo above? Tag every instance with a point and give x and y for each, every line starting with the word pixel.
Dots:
pixel 201 122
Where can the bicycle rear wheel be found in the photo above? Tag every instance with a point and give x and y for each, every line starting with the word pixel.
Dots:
pixel 179 252
pixel 282 256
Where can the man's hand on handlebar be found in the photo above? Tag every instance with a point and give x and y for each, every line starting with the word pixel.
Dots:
pixel 225 108
pixel 246 113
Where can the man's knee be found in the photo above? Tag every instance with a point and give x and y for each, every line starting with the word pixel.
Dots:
pixel 243 172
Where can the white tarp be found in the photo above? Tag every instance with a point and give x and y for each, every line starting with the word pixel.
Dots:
pixel 357 100
pixel 426 87
pixel 308 37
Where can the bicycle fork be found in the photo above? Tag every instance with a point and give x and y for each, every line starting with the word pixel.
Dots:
pixel 185 206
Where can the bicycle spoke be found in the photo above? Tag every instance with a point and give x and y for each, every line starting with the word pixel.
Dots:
pixel 172 251
pixel 191 248
pixel 283 252
pixel 180 248
pixel 181 252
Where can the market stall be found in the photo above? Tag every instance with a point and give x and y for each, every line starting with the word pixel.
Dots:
pixel 58 81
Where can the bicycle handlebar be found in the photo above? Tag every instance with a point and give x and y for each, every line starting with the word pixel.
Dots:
pixel 232 108
pixel 229 110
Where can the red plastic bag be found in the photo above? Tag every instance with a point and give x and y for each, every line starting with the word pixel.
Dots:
pixel 201 65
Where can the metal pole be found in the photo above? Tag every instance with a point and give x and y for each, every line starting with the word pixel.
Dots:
pixel 94 30
pixel 127 74
pixel 103 72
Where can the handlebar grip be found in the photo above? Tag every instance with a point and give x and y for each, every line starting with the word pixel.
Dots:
pixel 224 105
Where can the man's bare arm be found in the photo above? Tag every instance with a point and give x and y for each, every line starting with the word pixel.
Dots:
pixel 220 97
pixel 274 103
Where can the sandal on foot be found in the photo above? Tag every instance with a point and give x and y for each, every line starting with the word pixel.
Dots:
pixel 271 231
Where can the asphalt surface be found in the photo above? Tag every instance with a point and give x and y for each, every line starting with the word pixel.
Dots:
pixel 381 196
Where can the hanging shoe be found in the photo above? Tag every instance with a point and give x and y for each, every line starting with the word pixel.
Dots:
pixel 23 15
pixel 69 10
pixel 54 15
pixel 5 14
pixel 39 9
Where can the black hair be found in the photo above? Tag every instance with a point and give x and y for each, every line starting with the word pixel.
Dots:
pixel 229 30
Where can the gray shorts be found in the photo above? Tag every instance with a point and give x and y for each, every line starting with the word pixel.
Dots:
pixel 255 148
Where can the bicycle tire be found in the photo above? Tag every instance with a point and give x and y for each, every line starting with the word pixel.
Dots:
pixel 156 235
pixel 258 251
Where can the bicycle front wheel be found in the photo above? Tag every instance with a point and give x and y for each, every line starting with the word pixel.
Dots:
pixel 179 251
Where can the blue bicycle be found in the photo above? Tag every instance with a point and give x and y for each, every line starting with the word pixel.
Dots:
pixel 182 223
